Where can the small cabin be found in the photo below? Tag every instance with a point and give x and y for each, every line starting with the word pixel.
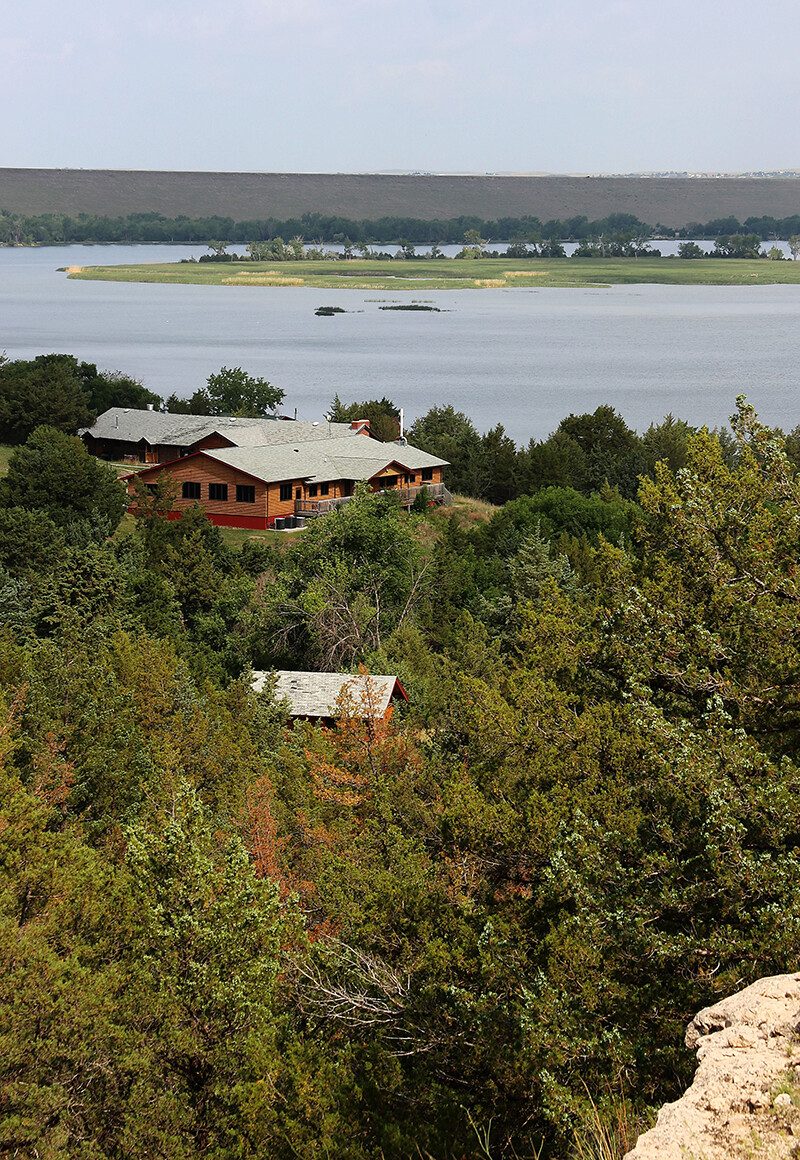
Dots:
pixel 324 697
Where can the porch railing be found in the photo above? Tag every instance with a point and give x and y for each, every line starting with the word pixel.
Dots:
pixel 320 507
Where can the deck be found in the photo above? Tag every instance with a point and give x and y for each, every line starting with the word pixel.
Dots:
pixel 310 508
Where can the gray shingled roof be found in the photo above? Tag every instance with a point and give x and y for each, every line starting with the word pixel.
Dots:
pixel 132 425
pixel 324 459
pixel 316 694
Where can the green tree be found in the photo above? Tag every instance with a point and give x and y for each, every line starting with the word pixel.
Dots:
pixel 30 542
pixel 474 245
pixel 48 389
pixel 614 452
pixel 197 404
pixel 355 577
pixel 232 391
pixel 451 435
pixel 668 441
pixel 66 1059
pixel 383 415
pixel 729 617
pixel 53 473
pixel 737 246
pixel 115 389
pixel 499 462
pixel 209 944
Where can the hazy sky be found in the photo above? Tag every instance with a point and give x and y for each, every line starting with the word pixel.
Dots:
pixel 439 85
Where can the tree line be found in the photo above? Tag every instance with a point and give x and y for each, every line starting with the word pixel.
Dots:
pixel 64 229
pixel 57 390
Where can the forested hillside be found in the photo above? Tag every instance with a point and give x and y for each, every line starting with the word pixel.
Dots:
pixel 468 932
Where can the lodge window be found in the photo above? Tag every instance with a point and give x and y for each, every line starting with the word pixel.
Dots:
pixel 286 492
pixel 218 491
pixel 324 488
pixel 427 474
pixel 413 477
pixel 390 481
pixel 191 490
pixel 245 493
pixel 312 489
pixel 298 493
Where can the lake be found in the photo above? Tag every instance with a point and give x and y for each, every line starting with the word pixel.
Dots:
pixel 524 358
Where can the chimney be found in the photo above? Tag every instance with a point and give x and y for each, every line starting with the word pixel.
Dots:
pixel 149 406
pixel 360 425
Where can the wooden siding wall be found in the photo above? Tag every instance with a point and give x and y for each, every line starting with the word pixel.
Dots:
pixel 404 477
pixel 211 442
pixel 198 469
pixel 281 507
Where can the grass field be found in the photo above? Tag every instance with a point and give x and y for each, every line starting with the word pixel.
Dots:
pixel 455 274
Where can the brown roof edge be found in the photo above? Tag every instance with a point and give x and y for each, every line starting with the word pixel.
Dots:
pixel 391 463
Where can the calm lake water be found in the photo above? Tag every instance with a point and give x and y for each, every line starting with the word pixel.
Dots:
pixel 525 358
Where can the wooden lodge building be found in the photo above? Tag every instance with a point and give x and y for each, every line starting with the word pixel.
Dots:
pixel 249 473
pixel 129 435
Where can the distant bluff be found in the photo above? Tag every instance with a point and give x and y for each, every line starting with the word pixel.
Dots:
pixel 669 201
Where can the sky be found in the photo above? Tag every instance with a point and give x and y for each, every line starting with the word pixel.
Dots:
pixel 449 86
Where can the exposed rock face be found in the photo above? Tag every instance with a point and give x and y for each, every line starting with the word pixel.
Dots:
pixel 745 1099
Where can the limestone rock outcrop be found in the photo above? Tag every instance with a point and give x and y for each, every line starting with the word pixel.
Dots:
pixel 745 1098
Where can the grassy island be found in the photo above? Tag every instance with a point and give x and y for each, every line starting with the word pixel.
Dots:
pixel 455 273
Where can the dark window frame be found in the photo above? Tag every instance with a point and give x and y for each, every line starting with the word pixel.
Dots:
pixel 245 493
pixel 285 493
pixel 191 489
pixel 218 492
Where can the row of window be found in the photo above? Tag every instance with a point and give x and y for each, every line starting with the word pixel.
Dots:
pixel 245 493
